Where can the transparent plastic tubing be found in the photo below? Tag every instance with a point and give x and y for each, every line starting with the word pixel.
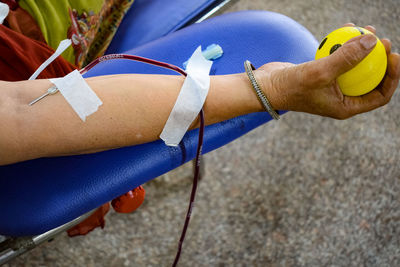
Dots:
pixel 200 138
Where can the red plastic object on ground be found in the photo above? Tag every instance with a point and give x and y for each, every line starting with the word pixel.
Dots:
pixel 126 203
pixel 130 201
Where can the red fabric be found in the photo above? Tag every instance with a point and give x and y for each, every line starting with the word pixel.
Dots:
pixel 92 222
pixel 11 3
pixel 20 56
pixel 21 21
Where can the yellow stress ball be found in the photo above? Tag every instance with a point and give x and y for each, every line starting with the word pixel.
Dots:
pixel 364 77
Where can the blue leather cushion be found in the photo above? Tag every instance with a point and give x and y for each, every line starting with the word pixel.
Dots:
pixel 41 194
pixel 148 20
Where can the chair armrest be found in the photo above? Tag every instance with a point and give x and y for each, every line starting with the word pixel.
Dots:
pixel 42 194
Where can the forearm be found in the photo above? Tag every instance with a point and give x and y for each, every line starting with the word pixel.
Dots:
pixel 134 111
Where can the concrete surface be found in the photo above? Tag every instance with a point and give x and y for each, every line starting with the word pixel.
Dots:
pixel 304 191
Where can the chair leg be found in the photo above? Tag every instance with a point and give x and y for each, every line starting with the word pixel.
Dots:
pixel 11 247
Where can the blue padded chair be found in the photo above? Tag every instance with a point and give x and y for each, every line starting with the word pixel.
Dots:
pixel 42 194
pixel 149 20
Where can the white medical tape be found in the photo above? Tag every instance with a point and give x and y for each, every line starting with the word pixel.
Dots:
pixel 64 44
pixel 78 94
pixel 190 99
pixel 4 9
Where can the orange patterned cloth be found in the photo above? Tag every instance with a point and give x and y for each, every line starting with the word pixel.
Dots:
pixel 90 24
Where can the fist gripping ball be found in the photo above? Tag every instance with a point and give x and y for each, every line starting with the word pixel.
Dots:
pixel 364 77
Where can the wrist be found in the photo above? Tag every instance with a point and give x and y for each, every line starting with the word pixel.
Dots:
pixel 265 80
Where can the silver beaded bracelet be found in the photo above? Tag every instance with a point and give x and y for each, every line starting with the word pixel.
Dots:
pixel 261 96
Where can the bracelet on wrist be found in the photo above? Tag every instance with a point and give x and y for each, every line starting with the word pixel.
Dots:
pixel 260 94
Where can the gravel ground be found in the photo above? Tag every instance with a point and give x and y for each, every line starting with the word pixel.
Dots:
pixel 304 191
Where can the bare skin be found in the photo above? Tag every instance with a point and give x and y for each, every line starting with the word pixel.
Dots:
pixel 136 107
pixel 134 111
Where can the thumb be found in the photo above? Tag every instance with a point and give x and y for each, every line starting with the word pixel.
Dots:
pixel 350 54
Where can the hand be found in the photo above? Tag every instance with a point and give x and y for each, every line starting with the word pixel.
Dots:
pixel 311 87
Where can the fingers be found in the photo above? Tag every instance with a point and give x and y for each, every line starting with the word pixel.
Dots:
pixel 391 79
pixel 371 28
pixel 360 104
pixel 327 69
pixel 348 55
pixel 382 94
pixel 349 24
pixel 393 66
pixel 368 27
pixel 387 44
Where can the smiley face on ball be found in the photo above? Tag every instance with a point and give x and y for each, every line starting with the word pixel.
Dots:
pixel 367 74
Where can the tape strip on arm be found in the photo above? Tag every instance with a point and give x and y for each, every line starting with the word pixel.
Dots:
pixel 190 99
pixel 64 44
pixel 78 94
